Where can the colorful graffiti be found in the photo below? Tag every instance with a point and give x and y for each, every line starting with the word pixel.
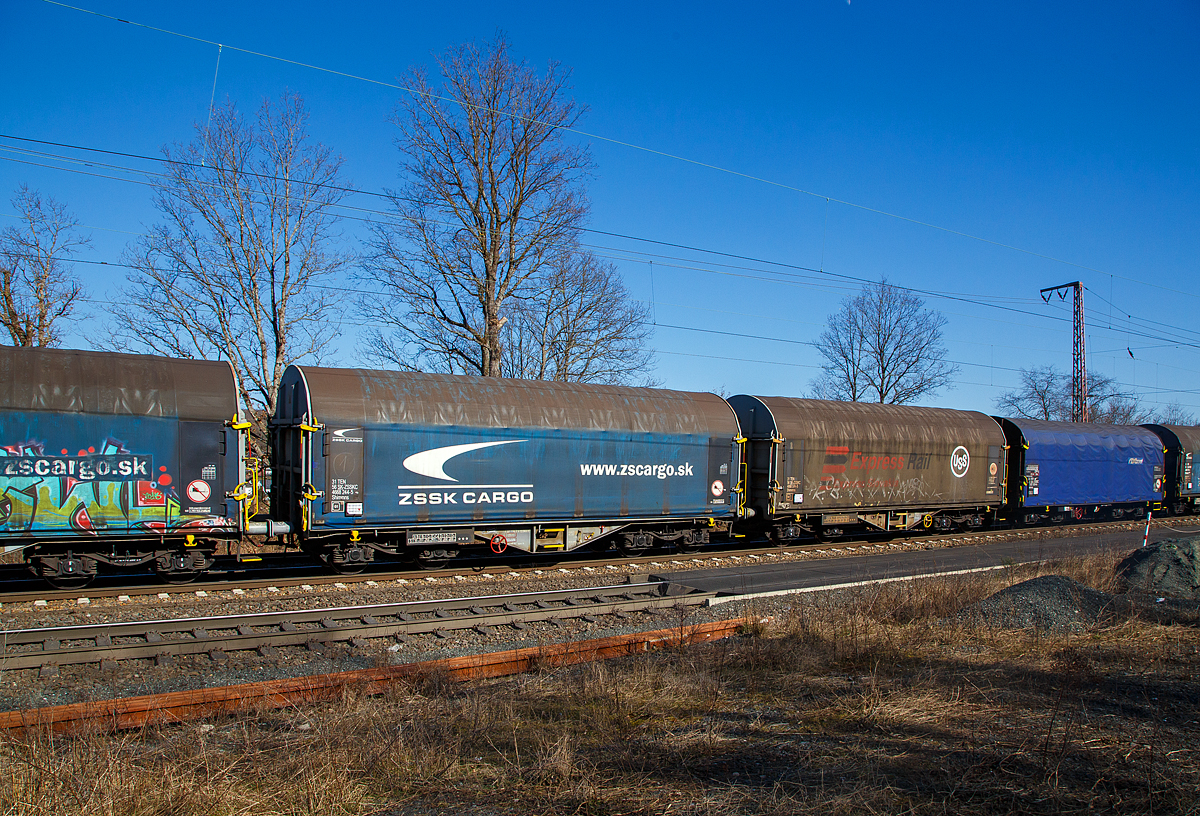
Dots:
pixel 103 490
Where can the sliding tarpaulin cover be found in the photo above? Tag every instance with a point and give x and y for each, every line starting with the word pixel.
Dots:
pixel 1077 463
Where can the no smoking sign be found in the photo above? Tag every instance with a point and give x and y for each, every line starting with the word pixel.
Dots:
pixel 198 491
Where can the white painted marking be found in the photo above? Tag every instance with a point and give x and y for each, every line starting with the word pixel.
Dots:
pixel 851 585
pixel 431 462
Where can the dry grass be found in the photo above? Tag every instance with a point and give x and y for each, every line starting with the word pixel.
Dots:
pixel 862 702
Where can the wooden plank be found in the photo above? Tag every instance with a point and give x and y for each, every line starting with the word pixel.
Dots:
pixel 182 706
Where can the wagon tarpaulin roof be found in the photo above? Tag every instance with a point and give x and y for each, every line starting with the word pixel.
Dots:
pixel 1090 462
pixel 794 418
pixel 364 397
pixel 1188 436
pixel 95 382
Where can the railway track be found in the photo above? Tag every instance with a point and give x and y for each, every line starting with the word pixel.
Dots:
pixel 33 590
pixel 47 648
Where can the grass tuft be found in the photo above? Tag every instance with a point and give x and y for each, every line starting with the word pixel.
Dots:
pixel 871 700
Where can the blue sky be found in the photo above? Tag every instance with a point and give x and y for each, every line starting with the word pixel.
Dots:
pixel 1067 142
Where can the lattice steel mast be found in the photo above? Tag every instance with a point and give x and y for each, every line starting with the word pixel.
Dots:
pixel 1079 404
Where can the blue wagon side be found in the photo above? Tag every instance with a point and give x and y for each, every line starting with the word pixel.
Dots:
pixel 1081 470
pixel 427 465
pixel 117 459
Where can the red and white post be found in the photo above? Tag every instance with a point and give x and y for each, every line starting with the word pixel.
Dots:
pixel 1146 535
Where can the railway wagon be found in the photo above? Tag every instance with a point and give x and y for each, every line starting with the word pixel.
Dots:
pixel 1081 470
pixel 1181 457
pixel 427 465
pixel 823 467
pixel 117 459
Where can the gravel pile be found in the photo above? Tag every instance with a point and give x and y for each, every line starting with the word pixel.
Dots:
pixel 1169 568
pixel 1049 603
pixel 1162 581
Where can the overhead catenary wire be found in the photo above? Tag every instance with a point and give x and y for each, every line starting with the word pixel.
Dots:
pixel 619 142
pixel 973 299
pixel 929 293
pixel 1136 390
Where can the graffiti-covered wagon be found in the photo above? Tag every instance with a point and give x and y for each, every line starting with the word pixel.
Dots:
pixel 117 458
pixel 825 467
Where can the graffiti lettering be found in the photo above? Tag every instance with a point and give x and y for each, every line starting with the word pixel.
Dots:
pixel 104 489
pixel 81 468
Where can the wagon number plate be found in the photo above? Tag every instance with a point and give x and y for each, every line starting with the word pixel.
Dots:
pixel 442 537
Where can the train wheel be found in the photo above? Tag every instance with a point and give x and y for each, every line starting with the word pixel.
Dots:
pixel 178 577
pixel 632 545
pixel 182 567
pixel 67 572
pixel 348 561
pixel 68 581
pixel 435 559
pixel 686 542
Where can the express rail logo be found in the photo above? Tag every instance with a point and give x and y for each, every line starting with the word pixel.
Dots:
pixel 840 461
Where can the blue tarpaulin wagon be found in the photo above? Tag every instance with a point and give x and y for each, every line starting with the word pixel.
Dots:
pixel 824 467
pixel 1181 444
pixel 1081 470
pixel 117 459
pixel 430 464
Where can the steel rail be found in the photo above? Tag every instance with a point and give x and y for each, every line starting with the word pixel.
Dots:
pixel 49 647
pixel 183 706
pixel 383 576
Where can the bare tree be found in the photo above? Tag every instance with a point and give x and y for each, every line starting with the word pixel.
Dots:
pixel 492 193
pixel 1045 393
pixel 883 345
pixel 38 290
pixel 1174 414
pixel 579 325
pixel 1040 396
pixel 238 269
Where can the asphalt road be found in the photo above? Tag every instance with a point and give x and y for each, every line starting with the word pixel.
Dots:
pixel 903 563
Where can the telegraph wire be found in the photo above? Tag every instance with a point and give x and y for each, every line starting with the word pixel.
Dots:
pixel 1134 392
pixel 789 277
pixel 619 142
pixel 974 300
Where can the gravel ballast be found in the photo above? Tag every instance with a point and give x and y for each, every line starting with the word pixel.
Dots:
pixel 1062 603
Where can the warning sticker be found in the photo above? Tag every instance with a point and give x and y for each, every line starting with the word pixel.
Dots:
pixel 198 491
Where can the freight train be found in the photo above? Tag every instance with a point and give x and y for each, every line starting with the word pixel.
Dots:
pixel 115 461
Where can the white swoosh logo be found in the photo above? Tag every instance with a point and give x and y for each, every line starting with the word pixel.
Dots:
pixel 430 463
